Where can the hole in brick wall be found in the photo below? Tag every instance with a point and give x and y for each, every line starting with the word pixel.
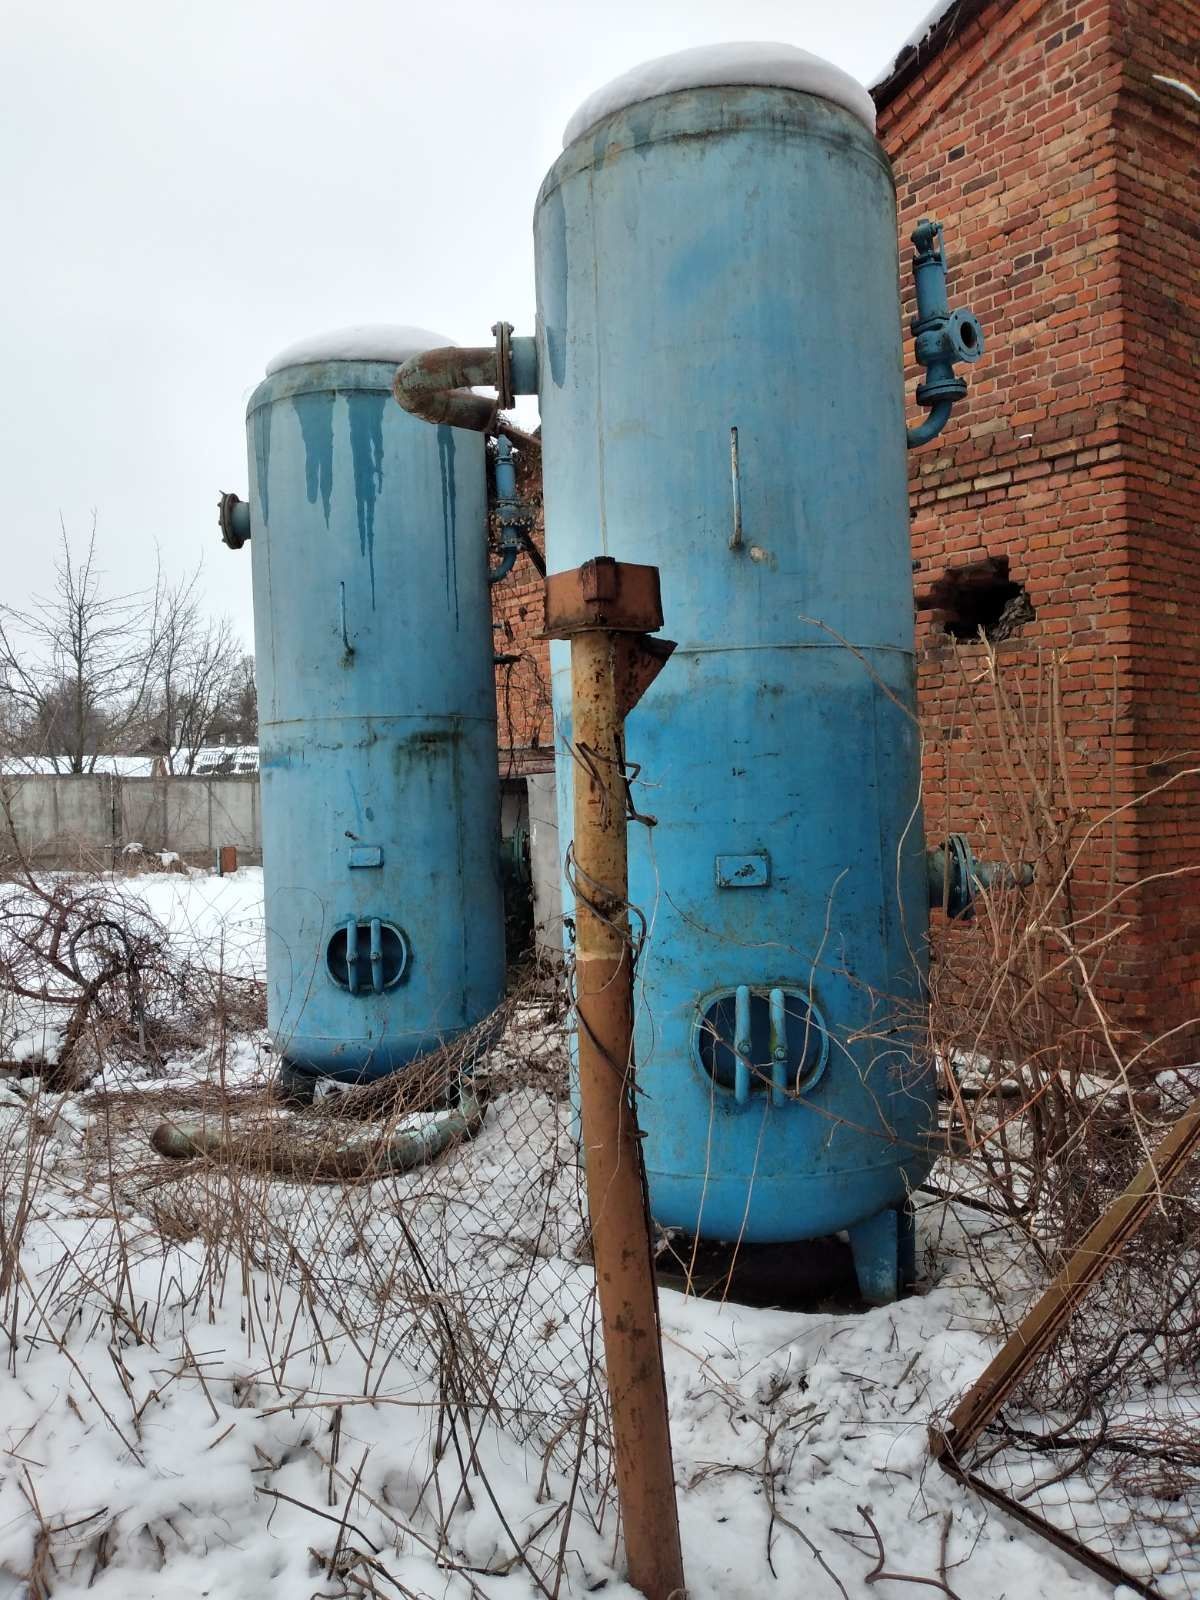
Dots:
pixel 979 596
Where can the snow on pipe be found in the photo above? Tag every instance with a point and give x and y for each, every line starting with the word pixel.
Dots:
pixel 403 1152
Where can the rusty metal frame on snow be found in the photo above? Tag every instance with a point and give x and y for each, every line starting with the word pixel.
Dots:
pixel 1041 1326
pixel 1069 1545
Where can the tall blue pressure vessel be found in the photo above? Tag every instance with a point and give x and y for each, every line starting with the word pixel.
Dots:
pixel 721 391
pixel 373 647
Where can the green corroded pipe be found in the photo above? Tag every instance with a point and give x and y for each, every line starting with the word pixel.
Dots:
pixel 403 1152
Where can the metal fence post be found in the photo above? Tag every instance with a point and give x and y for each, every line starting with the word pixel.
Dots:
pixel 606 609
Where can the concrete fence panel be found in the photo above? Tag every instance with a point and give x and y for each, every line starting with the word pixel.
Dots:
pixel 62 821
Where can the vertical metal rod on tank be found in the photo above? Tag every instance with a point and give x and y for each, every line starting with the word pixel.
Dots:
pixel 605 609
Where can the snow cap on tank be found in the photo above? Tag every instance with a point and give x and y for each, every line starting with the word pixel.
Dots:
pixel 361 342
pixel 755 62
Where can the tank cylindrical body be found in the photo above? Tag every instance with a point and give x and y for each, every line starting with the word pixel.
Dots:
pixel 721 390
pixel 380 796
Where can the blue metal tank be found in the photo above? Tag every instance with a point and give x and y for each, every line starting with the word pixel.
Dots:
pixel 380 793
pixel 721 390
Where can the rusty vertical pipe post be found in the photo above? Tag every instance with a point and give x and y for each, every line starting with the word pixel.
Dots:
pixel 605 609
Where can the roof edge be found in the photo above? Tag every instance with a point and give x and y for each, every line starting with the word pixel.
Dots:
pixel 913 59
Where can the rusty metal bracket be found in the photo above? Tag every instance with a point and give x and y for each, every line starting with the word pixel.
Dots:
pixel 1045 1322
pixel 603 594
pixel 624 600
pixel 639 660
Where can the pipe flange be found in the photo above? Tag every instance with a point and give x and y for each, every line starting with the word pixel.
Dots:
pixel 504 388
pixel 233 518
pixel 965 335
pixel 953 877
pixel 952 388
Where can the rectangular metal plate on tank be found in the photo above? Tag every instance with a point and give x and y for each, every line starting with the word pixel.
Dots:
pixel 751 871
pixel 620 596
pixel 366 855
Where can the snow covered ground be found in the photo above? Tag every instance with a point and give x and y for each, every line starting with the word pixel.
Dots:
pixel 213 921
pixel 225 1385
pixel 219 919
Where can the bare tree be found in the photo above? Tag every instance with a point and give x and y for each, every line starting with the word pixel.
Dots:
pixel 76 667
pixel 242 713
pixel 198 673
pixel 237 720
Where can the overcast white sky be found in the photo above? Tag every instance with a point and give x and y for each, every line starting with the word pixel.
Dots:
pixel 187 188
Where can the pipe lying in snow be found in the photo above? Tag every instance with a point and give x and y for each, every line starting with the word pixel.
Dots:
pixel 292 1158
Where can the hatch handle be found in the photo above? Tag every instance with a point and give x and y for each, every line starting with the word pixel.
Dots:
pixel 741 1044
pixel 779 1048
pixel 352 955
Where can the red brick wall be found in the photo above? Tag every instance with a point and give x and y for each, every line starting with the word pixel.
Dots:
pixel 526 728
pixel 1063 177
pixel 1158 155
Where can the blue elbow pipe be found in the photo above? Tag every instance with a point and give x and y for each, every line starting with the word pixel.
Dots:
pixel 937 419
pixel 955 876
pixel 507 562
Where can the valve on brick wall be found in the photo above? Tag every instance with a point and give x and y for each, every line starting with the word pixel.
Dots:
pixel 955 876
pixel 941 336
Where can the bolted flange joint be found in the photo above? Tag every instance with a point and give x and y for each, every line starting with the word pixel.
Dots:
pixel 956 877
pixel 233 517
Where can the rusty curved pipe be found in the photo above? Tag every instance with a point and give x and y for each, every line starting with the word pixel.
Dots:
pixel 436 386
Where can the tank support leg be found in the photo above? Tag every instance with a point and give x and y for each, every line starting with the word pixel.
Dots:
pixel 907 1252
pixel 885 1254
